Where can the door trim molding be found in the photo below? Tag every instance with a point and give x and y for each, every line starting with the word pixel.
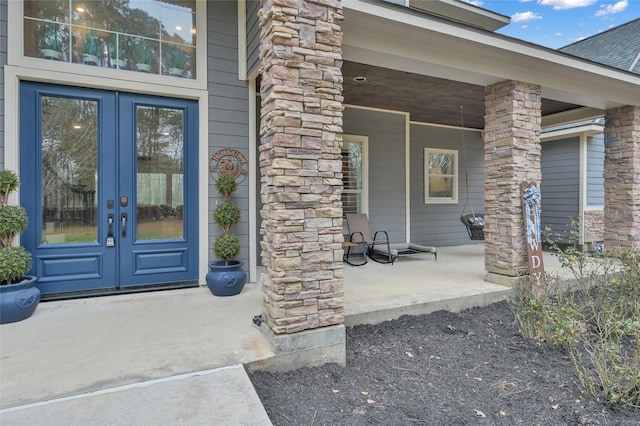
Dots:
pixel 14 75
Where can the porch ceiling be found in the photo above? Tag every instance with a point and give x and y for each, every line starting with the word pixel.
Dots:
pixel 427 99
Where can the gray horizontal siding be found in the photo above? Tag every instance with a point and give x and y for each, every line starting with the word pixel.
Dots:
pixel 228 109
pixel 386 133
pixel 560 186
pixel 595 170
pixel 3 62
pixel 439 224
pixel 253 35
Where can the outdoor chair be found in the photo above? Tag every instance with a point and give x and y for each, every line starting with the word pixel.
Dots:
pixel 360 233
pixel 378 247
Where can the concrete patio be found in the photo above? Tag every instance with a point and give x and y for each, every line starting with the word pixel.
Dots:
pixel 187 346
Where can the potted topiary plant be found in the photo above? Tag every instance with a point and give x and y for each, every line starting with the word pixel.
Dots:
pixel 91 48
pixel 50 46
pixel 176 60
pixel 143 52
pixel 226 276
pixel 18 295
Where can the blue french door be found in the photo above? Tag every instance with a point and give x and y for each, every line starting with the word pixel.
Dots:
pixel 109 181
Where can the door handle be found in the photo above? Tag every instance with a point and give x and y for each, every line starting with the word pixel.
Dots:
pixel 110 240
pixel 123 222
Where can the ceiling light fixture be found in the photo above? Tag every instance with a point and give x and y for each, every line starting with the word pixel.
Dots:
pixel 360 79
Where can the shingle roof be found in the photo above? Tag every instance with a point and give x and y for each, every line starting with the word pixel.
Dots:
pixel 618 47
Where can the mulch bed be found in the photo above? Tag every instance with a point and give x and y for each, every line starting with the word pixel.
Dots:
pixel 473 367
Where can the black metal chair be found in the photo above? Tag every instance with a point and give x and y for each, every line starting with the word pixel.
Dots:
pixel 360 233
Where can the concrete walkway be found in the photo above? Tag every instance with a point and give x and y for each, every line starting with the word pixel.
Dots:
pixel 223 396
pixel 175 357
pixel 152 357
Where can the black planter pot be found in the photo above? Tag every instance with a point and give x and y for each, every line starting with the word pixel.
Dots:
pixel 226 280
pixel 18 301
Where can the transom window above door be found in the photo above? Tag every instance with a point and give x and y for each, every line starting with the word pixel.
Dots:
pixel 149 36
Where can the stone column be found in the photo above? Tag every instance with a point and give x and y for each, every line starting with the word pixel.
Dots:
pixel 301 172
pixel 622 178
pixel 512 155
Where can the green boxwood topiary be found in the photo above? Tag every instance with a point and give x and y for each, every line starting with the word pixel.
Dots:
pixel 226 186
pixel 13 220
pixel 226 215
pixel 15 262
pixel 227 247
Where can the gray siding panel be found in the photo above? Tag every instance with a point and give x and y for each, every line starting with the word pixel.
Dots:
pixel 431 224
pixel 253 35
pixel 386 133
pixel 560 186
pixel 3 62
pixel 228 107
pixel 595 171
pixel 439 224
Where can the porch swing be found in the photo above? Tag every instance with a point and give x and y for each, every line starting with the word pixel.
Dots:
pixel 474 222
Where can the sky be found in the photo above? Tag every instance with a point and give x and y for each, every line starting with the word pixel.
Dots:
pixel 557 23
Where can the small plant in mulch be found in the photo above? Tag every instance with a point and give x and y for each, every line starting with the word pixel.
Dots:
pixel 596 317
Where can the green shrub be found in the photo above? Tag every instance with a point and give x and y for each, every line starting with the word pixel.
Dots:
pixel 13 220
pixel 226 185
pixel 9 182
pixel 596 318
pixel 226 215
pixel 15 262
pixel 227 247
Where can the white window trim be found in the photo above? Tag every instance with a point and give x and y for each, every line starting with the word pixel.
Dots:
pixel 456 176
pixel 364 140
pixel 122 80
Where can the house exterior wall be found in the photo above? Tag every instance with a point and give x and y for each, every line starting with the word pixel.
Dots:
pixel 595 171
pixel 439 224
pixel 593 215
pixel 3 62
pixel 253 36
pixel 560 186
pixel 387 190
pixel 433 224
pixel 224 117
pixel 228 110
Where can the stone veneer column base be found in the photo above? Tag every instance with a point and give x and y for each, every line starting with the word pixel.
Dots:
pixel 309 348
pixel 506 280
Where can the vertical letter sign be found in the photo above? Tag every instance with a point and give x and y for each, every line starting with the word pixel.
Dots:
pixel 531 214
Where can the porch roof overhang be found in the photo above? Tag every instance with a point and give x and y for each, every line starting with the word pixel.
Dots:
pixel 397 38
